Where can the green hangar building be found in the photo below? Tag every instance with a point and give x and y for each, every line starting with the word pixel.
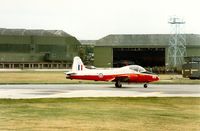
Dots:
pixel 20 48
pixel 150 50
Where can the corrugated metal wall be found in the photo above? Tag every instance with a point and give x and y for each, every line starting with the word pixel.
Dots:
pixel 37 48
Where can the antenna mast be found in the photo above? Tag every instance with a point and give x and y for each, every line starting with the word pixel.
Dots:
pixel 177 43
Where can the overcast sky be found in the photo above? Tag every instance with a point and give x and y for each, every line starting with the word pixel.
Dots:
pixel 94 19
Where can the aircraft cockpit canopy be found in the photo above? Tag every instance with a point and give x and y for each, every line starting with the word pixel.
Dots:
pixel 137 68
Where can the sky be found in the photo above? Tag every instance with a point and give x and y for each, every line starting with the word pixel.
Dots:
pixel 94 19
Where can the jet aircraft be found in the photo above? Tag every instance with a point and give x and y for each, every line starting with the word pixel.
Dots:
pixel 129 74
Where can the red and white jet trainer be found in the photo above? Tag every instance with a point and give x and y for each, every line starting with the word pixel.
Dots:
pixel 131 73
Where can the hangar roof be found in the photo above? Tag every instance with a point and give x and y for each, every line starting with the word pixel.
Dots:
pixel 144 40
pixel 88 42
pixel 24 32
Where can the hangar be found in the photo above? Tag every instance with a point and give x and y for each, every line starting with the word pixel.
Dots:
pixel 149 50
pixel 21 48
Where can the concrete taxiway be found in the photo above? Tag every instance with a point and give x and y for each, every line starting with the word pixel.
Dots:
pixel 96 90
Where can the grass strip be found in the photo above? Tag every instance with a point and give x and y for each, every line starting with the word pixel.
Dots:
pixel 152 113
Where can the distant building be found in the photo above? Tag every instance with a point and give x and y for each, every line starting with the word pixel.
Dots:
pixel 88 42
pixel 149 50
pixel 21 48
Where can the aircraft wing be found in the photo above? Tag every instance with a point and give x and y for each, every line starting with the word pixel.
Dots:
pixel 122 78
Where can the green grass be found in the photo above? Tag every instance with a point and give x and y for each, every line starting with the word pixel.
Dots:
pixel 101 114
pixel 38 77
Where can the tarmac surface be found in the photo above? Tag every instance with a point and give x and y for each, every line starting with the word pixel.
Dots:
pixel 96 90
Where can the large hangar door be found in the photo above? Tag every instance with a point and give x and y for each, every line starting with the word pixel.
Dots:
pixel 146 57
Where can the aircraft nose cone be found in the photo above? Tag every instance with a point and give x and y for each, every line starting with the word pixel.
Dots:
pixel 156 78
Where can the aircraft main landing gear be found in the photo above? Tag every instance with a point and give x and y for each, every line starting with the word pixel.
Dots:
pixel 118 84
pixel 145 85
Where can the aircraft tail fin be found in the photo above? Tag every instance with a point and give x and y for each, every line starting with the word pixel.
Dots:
pixel 77 64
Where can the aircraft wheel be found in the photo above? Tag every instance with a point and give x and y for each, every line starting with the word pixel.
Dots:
pixel 118 84
pixel 145 85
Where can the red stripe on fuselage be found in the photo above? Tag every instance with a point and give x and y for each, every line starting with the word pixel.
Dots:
pixel 93 77
pixel 140 78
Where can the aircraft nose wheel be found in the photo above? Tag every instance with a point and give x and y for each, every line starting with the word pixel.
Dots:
pixel 118 84
pixel 145 85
